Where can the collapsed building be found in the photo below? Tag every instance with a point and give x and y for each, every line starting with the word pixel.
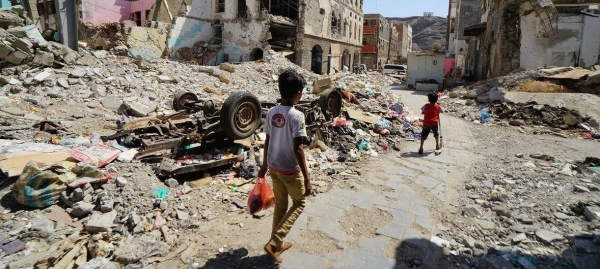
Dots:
pixel 319 35
pixel 528 34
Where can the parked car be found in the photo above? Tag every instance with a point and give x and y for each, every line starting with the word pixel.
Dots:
pixel 394 69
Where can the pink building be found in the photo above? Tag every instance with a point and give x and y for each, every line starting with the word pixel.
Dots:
pixel 103 11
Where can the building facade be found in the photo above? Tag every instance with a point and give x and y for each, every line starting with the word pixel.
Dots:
pixel 527 34
pixel 394 50
pixel 376 39
pixel 106 11
pixel 405 41
pixel 319 35
pixel 329 35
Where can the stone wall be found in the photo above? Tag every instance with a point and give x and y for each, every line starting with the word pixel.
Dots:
pixel 338 20
pixel 470 14
pixel 310 42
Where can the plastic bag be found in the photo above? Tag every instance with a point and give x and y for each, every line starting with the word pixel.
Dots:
pixel 261 197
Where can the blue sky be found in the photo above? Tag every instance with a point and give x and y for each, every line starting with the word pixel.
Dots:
pixel 406 8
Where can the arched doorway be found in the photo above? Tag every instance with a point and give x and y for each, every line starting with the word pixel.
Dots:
pixel 346 59
pixel 256 54
pixel 316 63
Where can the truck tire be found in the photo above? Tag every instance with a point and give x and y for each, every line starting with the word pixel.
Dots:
pixel 331 103
pixel 240 115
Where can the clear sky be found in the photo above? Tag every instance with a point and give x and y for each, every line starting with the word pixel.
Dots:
pixel 406 8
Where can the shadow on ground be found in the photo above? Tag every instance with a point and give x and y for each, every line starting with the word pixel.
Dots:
pixel 415 154
pixel 423 254
pixel 240 260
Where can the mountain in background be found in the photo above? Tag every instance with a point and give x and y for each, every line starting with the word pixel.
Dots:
pixel 426 30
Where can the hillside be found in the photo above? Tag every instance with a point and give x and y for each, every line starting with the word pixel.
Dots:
pixel 426 30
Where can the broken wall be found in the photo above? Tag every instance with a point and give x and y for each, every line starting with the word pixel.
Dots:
pixel 240 39
pixel 335 20
pixel 103 11
pixel 207 10
pixel 590 41
pixel 574 42
pixel 147 43
pixel 186 32
pixel 160 11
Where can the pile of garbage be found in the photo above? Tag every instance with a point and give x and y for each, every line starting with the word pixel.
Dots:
pixel 91 193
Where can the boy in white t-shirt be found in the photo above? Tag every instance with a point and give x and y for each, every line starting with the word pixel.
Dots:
pixel 285 160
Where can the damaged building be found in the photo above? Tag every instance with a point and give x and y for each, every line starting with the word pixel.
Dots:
pixel 376 41
pixel 530 34
pixel 319 35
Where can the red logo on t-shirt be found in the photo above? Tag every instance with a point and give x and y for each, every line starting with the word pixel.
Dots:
pixel 278 120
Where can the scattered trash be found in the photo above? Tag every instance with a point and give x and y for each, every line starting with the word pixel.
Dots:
pixel 98 156
pixel 159 193
pixel 40 184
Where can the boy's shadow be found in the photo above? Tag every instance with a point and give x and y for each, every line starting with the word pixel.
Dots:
pixel 415 154
pixel 240 260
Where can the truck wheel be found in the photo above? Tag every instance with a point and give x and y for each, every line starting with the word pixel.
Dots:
pixel 181 99
pixel 240 115
pixel 331 103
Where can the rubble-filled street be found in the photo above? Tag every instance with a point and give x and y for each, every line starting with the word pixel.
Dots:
pixel 140 146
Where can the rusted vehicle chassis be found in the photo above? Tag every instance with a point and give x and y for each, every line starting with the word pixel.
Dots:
pixel 199 122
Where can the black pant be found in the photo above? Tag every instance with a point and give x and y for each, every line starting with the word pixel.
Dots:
pixel 427 130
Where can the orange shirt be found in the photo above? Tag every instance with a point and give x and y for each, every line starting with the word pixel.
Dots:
pixel 432 114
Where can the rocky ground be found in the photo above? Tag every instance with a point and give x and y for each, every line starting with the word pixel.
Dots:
pixel 514 191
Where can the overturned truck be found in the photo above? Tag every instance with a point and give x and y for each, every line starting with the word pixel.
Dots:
pixel 201 134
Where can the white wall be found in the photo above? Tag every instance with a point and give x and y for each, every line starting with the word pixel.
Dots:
pixel 563 46
pixel 205 9
pixel 576 41
pixel 185 32
pixel 239 40
pixel 422 67
pixel 590 42
pixel 533 44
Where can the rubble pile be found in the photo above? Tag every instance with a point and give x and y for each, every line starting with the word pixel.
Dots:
pixel 106 36
pixel 502 209
pixel 488 102
pixel 25 45
pixel 97 194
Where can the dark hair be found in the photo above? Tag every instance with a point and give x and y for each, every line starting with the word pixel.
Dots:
pixel 433 98
pixel 290 83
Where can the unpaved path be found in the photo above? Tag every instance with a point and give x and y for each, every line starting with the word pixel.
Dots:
pixel 382 220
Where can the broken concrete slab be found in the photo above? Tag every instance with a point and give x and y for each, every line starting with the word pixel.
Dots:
pixel 16 57
pixel 574 101
pixel 140 109
pixel 592 212
pixel 130 252
pixel 87 60
pixel 101 222
pixel 147 43
pixel 42 76
pixel 43 58
pixel 547 237
pixel 24 45
pixel 5 49
pixel 63 82
pixel 78 73
pixel 33 33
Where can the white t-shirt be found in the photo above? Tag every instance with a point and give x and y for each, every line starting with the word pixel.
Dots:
pixel 283 123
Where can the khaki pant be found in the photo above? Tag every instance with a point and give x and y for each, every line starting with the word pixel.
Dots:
pixel 283 219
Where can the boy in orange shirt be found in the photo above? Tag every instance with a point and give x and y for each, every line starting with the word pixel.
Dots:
pixel 431 120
